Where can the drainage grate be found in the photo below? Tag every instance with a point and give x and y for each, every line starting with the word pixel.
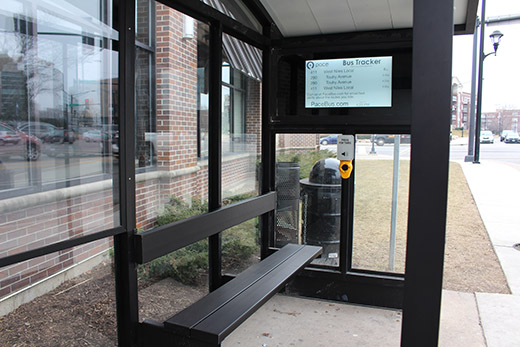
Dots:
pixel 517 246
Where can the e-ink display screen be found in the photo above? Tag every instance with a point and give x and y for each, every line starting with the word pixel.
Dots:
pixel 353 82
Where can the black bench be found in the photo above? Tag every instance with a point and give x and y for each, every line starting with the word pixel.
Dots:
pixel 208 321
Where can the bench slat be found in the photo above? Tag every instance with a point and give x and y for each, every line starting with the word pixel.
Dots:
pixel 222 322
pixel 182 322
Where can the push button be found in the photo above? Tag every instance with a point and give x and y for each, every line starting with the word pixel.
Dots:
pixel 345 168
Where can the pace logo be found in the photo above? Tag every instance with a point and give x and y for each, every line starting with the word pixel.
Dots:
pixel 310 65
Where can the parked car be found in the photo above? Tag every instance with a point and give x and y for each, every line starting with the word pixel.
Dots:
pixel 381 139
pixel 59 136
pixel 512 138
pixel 486 136
pixel 504 134
pixel 92 135
pixel 8 136
pixel 38 129
pixel 329 140
pixel 16 143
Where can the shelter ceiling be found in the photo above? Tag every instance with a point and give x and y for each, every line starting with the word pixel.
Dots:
pixel 318 17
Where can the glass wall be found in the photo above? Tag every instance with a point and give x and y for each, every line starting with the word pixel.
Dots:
pixel 58 122
pixel 76 308
pixel 241 119
pixel 382 169
pixel 58 170
pixel 171 63
pixel 58 76
pixel 308 186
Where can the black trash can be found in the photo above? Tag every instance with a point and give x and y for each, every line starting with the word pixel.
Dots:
pixel 288 201
pixel 321 210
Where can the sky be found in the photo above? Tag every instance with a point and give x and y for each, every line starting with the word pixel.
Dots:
pixel 501 85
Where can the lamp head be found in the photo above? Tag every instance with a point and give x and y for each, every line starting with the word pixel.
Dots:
pixel 496 36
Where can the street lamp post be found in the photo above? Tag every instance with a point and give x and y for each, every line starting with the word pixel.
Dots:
pixel 495 37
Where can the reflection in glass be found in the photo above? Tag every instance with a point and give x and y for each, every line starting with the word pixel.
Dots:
pixel 171 118
pixel 58 122
pixel 241 120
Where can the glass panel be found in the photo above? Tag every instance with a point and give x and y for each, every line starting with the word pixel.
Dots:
pixel 180 276
pixel 226 71
pixel 236 10
pixel 240 247
pixel 241 127
pixel 227 123
pixel 58 91
pixel 308 208
pixel 145 14
pixel 238 79
pixel 381 202
pixel 238 120
pixel 202 90
pixel 60 299
pixel 171 116
pixel 146 129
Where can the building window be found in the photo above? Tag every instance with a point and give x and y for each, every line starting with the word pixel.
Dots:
pixel 145 115
pixel 233 110
pixel 240 95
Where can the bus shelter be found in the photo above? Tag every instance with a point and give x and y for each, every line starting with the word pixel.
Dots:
pixel 181 127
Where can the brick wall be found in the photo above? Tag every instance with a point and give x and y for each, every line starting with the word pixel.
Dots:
pixel 40 224
pixel 176 73
pixel 297 141
pixel 254 113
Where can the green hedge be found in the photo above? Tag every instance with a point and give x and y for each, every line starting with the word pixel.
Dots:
pixel 189 263
pixel 306 160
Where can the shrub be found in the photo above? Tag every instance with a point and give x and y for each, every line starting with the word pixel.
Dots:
pixel 306 160
pixel 176 210
pixel 188 264
pixel 240 242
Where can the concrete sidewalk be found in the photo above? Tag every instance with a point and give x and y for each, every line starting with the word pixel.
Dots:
pixel 467 319
pixel 496 189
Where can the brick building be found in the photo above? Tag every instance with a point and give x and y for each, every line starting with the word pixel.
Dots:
pixel 501 119
pixel 460 105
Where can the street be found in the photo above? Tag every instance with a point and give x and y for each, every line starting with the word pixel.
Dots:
pixel 57 163
pixel 63 162
pixel 498 151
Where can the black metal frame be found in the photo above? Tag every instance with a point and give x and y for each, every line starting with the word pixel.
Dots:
pixel 126 272
pixel 168 238
pixel 431 99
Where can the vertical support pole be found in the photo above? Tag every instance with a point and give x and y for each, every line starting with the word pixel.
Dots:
pixel 268 145
pixel 431 118
pixel 395 190
pixel 478 118
pixel 126 274
pixel 215 149
pixel 346 235
pixel 471 134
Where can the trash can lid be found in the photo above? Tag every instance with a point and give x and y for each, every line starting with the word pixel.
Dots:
pixel 326 171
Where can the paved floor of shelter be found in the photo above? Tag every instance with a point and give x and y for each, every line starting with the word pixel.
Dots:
pixel 467 319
